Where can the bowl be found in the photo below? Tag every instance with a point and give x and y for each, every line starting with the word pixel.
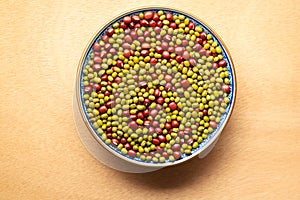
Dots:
pixel 154 88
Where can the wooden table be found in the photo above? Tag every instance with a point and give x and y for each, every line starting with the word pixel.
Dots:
pixel 257 157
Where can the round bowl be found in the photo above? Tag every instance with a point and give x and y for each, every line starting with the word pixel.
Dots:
pixel 212 56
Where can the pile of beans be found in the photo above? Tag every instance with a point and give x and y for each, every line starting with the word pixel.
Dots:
pixel 155 85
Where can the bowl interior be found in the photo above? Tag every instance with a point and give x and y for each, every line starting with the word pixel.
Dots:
pixel 210 137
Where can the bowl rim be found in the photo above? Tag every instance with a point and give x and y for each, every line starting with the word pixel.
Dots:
pixel 88 124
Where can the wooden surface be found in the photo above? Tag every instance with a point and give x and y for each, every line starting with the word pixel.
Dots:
pixel 257 157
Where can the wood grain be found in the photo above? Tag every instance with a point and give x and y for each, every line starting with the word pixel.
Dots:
pixel 257 157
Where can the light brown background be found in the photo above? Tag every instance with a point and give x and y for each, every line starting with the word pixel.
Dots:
pixel 257 157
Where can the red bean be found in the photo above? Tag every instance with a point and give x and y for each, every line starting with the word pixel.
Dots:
pixel 107 93
pixel 175 124
pixel 173 25
pixel 151 130
pixel 123 25
pixel 147 123
pixel 173 105
pixel 131 153
pixel 128 39
pixel 146 34
pixel 160 100
pixel 158 149
pixel 176 154
pixel 181 134
pixel 184 43
pixel 196 47
pixel 145 46
pixel 97 87
pixel 103 54
pixel 135 19
pixel 164 45
pixel 187 130
pixel 109 135
pixel 167 38
pixel 153 113
pixel 176 147
pixel 126 45
pixel 105 38
pixel 222 63
pixel 133 34
pixel 193 62
pixel 148 15
pixel 109 129
pixel 119 63
pixel 205 112
pixel 157 31
pixel 178 59
pixel 144 23
pixel 153 61
pixel 161 138
pixel 171 50
pixel 140 115
pixel 126 53
pixel 115 141
pixel 147 102
pixel 131 25
pixel 97 60
pixel 146 113
pixel 155 141
pixel 88 89
pixel 190 141
pixel 159 23
pixel 191 25
pixel 215 65
pixel 110 32
pixel 104 77
pixel 96 67
pixel 142 84
pixel 107 46
pixel 125 113
pixel 168 78
pixel 155 124
pixel 226 88
pixel 127 19
pixel 165 154
pixel 159 49
pixel 141 39
pixel 152 23
pixel 155 17
pixel 213 124
pixel 136 77
pixel 168 126
pixel 202 52
pixel 144 53
pixel 203 35
pixel 137 26
pixel 159 130
pixel 133 125
pixel 179 50
pixel 113 51
pixel 169 17
pixel 166 55
pixel 199 40
pixel 96 47
pixel 133 117
pixel 102 109
pixel 110 104
pixel 186 55
pixel 184 83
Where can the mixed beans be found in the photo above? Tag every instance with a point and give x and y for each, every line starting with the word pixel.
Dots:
pixel 155 86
